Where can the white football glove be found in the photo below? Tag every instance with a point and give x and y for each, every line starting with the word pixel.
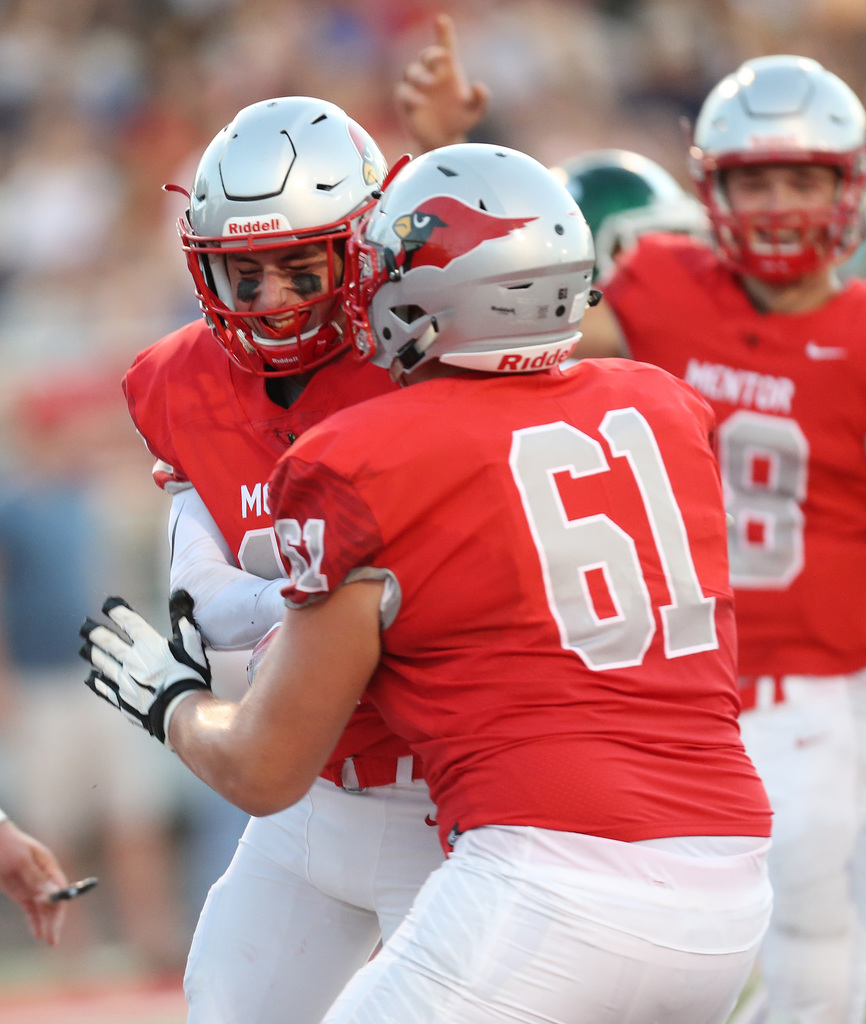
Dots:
pixel 141 672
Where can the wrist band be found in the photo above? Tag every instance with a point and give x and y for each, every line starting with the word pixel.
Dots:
pixel 3 816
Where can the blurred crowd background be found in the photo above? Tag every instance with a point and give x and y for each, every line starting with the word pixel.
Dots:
pixel 101 103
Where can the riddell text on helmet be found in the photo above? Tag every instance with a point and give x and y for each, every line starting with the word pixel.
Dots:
pixel 257 226
pixel 518 363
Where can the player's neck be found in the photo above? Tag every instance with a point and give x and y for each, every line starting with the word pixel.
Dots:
pixel 801 296
pixel 283 391
pixel 426 371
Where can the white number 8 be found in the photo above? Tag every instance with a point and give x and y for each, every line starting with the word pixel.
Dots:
pixel 765 462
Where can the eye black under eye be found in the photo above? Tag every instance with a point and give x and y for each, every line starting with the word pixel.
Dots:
pixel 306 284
pixel 247 288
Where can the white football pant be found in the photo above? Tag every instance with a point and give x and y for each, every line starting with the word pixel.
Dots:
pixel 529 925
pixel 301 905
pixel 810 751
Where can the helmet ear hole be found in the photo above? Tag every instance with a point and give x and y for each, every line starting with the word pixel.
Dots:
pixel 408 314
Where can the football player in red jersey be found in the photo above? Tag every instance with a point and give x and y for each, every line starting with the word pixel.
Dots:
pixel 526 570
pixel 308 891
pixel 761 326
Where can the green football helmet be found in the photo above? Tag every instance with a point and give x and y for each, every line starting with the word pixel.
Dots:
pixel 624 195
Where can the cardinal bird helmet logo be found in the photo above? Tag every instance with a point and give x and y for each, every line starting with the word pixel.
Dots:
pixel 373 164
pixel 443 228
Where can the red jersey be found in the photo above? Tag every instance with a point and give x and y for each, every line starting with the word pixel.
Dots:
pixel 215 426
pixel 559 641
pixel 789 392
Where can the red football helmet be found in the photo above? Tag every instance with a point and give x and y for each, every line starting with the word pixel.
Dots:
pixel 286 173
pixel 782 110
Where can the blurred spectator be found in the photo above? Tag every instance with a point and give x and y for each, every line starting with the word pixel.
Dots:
pixel 98 797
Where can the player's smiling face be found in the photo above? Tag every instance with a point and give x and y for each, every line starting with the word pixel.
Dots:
pixel 278 281
pixel 786 193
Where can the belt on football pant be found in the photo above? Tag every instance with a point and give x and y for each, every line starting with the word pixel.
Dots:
pixel 356 774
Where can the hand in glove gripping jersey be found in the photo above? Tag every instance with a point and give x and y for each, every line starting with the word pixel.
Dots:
pixel 139 671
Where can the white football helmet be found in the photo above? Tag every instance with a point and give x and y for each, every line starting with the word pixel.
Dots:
pixel 286 172
pixel 624 195
pixel 782 110
pixel 475 255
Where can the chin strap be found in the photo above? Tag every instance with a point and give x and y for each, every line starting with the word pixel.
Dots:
pixel 414 351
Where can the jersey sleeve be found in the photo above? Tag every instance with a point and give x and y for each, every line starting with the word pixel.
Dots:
pixel 171 480
pixel 325 528
pixel 655 276
pixel 145 389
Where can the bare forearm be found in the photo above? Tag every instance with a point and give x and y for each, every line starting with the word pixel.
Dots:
pixel 264 752
pixel 215 740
